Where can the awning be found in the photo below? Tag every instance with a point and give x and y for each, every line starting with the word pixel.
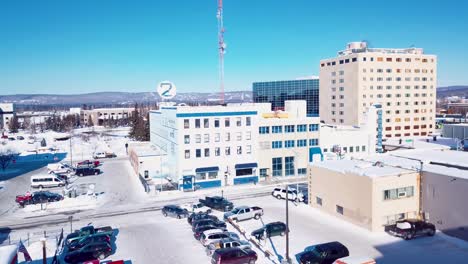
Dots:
pixel 246 166
pixel 206 169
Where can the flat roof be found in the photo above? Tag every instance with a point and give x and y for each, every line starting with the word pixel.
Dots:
pixel 421 143
pixel 370 169
pixel 144 149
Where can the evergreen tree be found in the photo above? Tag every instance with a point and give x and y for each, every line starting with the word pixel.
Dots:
pixel 14 125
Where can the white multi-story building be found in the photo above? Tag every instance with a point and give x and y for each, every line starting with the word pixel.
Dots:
pixel 288 141
pixel 403 81
pixel 7 111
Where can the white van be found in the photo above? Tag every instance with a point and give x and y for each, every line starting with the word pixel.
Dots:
pixel 58 168
pixel 47 180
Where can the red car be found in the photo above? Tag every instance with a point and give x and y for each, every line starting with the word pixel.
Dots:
pixel 37 198
pixel 234 255
pixel 94 163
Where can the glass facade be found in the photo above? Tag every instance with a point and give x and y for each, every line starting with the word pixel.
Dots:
pixel 278 92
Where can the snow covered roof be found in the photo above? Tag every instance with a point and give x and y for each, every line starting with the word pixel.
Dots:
pixel 144 149
pixel 371 169
pixel 421 143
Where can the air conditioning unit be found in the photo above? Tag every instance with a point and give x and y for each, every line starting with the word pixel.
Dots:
pixel 402 194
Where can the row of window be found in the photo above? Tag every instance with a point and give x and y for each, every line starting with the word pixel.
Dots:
pixel 217 137
pixel 398 87
pixel 206 152
pixel 287 129
pixel 217 122
pixel 277 166
pixel 408 119
pixel 398 79
pixel 407 95
pixel 339 208
pixel 351 149
pixel 398 193
pixel 399 70
pixel 378 59
pixel 407 127
pixel 406 103
pixel 407 134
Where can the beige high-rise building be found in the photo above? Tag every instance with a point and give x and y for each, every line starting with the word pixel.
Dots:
pixel 403 81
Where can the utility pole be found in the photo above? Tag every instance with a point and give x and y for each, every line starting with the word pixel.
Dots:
pixel 221 48
pixel 71 151
pixel 287 260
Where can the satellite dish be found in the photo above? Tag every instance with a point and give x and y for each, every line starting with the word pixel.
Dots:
pixel 166 90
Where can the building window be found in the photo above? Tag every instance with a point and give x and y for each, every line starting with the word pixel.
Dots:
pixel 302 171
pixel 302 142
pixel 313 127
pixel 276 144
pixel 239 150
pixel 363 148
pixel 248 149
pixel 318 200
pixel 198 153
pixel 216 122
pixel 276 129
pixel 398 193
pixel 339 209
pixel 228 151
pixel 248 121
pixel 217 151
pixel 238 136
pixel 289 166
pixel 357 148
pixel 206 138
pixel 301 128
pixel 264 130
pixel 289 129
pixel 186 123
pixel 227 122
pixel 228 136
pixel 277 166
pixel 206 123
pixel 289 144
pixel 197 138
pixel 217 137
pixel 248 135
pixel 197 123
pixel 187 154
pixel 187 139
pixel 313 142
pixel 263 172
pixel 239 121
pixel 207 152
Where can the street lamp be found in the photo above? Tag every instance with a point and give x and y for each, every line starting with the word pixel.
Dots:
pixel 287 260
pixel 44 254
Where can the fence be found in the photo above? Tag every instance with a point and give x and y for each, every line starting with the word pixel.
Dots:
pixel 29 238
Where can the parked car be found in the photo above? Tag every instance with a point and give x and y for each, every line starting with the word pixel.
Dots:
pixel 89 163
pixel 226 243
pixel 110 155
pixel 20 138
pixel 92 251
pixel 90 239
pixel 355 260
pixel 234 255
pixel 4 137
pixel 199 230
pixel 411 228
pixel 280 193
pixel 244 213
pixel 59 168
pixel 270 230
pixel 197 208
pixel 89 230
pixel 87 171
pixel 11 139
pixel 217 203
pixel 197 216
pixel 46 180
pixel 204 222
pixel 38 197
pixel 325 253
pixel 99 155
pixel 174 210
pixel 213 235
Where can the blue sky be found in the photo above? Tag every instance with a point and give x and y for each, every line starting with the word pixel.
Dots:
pixel 87 46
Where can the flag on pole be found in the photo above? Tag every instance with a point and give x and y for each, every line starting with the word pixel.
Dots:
pixel 22 249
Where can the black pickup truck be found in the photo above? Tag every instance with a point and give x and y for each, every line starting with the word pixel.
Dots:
pixel 410 228
pixel 217 203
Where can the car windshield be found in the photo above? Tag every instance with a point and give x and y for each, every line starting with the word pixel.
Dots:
pixel 235 211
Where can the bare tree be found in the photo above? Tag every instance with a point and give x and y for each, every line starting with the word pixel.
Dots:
pixel 6 157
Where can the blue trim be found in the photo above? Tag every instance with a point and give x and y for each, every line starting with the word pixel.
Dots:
pixel 207 169
pixel 217 114
pixel 155 112
pixel 169 108
pixel 246 166
pixel 207 184
pixel 245 180
pixel 313 151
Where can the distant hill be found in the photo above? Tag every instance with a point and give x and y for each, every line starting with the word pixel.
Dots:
pixel 119 98
pixel 460 90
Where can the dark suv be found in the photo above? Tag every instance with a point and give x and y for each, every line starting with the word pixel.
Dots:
pixel 204 222
pixel 89 252
pixel 198 216
pixel 234 255
pixel 325 253
pixel 174 210
pixel 85 171
pixel 411 228
pixel 270 230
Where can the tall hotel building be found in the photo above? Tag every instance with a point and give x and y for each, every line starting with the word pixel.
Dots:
pixel 402 81
pixel 278 92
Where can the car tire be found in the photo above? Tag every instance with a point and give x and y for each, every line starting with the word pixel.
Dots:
pixel 431 232
pixel 81 175
pixel 296 200
pixel 282 233
pixel 101 256
pixel 96 173
pixel 61 185
pixel 257 216
pixel 165 214
pixel 278 197
pixel 40 187
pixel 179 217
pixel 408 236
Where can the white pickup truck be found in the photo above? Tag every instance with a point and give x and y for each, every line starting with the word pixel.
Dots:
pixel 59 168
pixel 244 213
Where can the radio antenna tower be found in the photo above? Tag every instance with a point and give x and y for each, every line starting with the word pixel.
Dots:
pixel 221 48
